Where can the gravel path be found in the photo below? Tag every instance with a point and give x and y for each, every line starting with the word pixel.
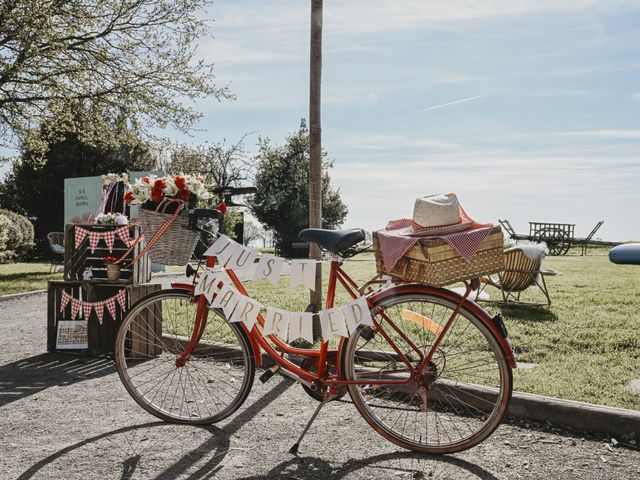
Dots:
pixel 65 417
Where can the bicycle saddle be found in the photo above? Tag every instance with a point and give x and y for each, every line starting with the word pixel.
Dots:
pixel 627 254
pixel 334 241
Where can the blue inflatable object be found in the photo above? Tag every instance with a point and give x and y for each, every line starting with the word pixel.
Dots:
pixel 627 254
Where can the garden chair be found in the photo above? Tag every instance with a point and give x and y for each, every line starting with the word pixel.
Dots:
pixel 56 245
pixel 523 270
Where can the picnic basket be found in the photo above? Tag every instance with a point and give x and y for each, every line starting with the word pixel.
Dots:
pixel 176 245
pixel 433 261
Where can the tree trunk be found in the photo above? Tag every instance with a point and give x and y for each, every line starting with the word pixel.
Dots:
pixel 315 143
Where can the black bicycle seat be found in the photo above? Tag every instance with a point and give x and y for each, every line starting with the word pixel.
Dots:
pixel 334 241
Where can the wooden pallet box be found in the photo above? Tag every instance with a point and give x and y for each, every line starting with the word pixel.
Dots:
pixel 100 336
pixel 76 260
pixel 433 261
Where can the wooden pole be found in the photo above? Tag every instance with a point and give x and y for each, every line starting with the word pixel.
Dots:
pixel 315 142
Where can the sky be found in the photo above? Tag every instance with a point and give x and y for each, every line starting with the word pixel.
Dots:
pixel 528 110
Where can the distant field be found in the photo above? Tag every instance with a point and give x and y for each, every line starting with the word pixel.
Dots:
pixel 585 347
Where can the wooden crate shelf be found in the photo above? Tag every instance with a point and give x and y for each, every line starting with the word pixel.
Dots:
pixel 76 260
pixel 101 337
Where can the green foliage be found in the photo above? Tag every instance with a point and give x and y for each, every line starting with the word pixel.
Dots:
pixel 35 186
pixel 20 235
pixel 127 57
pixel 282 201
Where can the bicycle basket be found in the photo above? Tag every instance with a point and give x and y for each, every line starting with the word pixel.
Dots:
pixel 177 243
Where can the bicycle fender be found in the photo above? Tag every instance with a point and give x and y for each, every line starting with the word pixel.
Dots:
pixel 469 305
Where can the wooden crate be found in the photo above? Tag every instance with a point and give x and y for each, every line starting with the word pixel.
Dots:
pixel 101 337
pixel 76 260
pixel 433 261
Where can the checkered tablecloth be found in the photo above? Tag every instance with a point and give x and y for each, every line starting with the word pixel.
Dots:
pixel 395 240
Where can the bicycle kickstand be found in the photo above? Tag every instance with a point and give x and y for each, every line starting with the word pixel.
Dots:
pixel 294 450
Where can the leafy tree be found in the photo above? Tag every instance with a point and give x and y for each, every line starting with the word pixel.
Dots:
pixel 134 58
pixel 221 164
pixel 282 201
pixel 35 187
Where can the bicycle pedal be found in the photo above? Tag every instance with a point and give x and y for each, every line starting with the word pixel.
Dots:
pixel 269 373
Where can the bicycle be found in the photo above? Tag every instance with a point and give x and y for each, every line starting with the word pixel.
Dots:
pixel 433 375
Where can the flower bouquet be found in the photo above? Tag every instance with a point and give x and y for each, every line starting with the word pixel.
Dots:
pixel 163 203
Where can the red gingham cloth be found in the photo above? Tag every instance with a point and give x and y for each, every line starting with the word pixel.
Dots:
pixel 394 241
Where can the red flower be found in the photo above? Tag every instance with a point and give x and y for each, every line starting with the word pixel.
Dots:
pixel 180 182
pixel 222 207
pixel 183 195
pixel 160 184
pixel 157 194
pixel 110 259
pixel 128 197
pixel 146 180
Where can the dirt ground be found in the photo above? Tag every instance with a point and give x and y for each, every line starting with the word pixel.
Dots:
pixel 65 417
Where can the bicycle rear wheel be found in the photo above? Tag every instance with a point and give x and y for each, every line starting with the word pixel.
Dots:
pixel 465 389
pixel 216 377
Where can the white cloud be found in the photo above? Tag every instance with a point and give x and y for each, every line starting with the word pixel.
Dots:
pixel 636 97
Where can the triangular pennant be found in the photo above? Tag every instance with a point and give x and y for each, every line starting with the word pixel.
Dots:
pixel 109 237
pixel 98 307
pixel 80 233
pixel 111 306
pixel 219 249
pixel 122 299
pixel 94 238
pixel 123 234
pixel 269 267
pixel 227 299
pixel 75 307
pixel 64 300
pixel 247 312
pixel 357 313
pixel 86 310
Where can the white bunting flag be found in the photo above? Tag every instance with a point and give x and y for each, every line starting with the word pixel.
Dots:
pixel 276 322
pixel 333 323
pixel 269 267
pixel 247 312
pixel 207 284
pixel 243 260
pixel 303 272
pixel 220 249
pixel 357 313
pixel 232 252
pixel 301 326
pixel 227 299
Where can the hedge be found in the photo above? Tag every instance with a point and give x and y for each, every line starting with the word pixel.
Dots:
pixel 16 236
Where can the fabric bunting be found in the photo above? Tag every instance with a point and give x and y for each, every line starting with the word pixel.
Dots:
pixel 108 236
pixel 78 305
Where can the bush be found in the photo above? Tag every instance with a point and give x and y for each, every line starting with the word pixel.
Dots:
pixel 16 236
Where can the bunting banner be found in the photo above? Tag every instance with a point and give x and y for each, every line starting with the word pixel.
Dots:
pixel 335 322
pixel 86 308
pixel 107 236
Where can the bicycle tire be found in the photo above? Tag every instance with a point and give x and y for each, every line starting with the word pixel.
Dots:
pixel 447 411
pixel 215 379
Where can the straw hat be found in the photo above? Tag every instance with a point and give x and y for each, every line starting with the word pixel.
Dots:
pixel 438 215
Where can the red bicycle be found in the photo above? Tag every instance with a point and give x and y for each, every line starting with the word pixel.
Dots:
pixel 432 375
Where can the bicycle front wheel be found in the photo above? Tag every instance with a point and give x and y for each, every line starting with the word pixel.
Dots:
pixel 210 386
pixel 463 392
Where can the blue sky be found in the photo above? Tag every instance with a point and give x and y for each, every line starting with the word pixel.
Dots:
pixel 528 110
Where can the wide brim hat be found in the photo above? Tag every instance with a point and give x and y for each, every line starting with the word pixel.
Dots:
pixel 435 215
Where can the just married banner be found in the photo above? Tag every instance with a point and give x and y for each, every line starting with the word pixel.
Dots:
pixel 335 322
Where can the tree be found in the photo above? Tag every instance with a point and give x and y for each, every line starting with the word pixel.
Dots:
pixel 36 187
pixel 282 201
pixel 221 164
pixel 132 58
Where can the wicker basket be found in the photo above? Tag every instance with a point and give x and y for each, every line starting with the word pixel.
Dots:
pixel 435 262
pixel 176 245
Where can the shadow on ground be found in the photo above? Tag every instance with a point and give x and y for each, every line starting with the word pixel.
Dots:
pixel 29 376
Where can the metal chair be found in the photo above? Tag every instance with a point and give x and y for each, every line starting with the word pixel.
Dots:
pixel 56 245
pixel 521 272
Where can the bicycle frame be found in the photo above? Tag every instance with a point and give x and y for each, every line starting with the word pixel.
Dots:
pixel 277 349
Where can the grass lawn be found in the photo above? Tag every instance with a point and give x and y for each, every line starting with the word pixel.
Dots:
pixel 26 277
pixel 585 347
